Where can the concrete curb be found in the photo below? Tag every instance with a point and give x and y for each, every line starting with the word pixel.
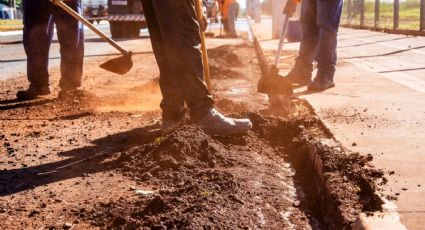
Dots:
pixel 388 219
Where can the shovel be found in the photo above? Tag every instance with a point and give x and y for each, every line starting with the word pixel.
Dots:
pixel 207 77
pixel 277 87
pixel 120 65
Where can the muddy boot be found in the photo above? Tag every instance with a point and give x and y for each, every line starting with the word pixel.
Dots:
pixel 216 123
pixel 300 75
pixel 170 120
pixel 33 92
pixel 166 124
pixel 321 83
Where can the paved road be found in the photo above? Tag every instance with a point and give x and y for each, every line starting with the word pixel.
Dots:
pixel 13 58
pixel 397 57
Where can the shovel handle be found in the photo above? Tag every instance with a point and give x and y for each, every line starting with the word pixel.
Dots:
pixel 77 16
pixel 282 39
pixel 204 47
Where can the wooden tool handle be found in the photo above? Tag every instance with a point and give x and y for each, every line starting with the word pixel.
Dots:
pixel 207 77
pixel 77 16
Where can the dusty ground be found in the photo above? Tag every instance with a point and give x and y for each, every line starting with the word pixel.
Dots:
pixel 100 161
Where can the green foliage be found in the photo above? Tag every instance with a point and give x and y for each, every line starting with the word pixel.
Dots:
pixel 408 15
pixel 9 2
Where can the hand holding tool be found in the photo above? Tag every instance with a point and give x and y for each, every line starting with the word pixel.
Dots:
pixel 207 77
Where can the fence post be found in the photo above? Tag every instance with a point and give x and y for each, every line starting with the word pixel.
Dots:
pixel 257 11
pixel 362 13
pixel 422 19
pixel 396 14
pixel 376 13
pixel 349 11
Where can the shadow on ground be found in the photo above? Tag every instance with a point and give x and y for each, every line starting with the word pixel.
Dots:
pixel 16 103
pixel 81 161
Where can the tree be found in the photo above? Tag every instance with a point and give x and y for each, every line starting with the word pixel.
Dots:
pixel 12 3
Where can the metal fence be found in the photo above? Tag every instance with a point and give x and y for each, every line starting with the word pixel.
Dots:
pixel 394 15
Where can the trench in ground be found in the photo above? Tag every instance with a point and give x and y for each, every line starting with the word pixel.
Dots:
pixel 285 174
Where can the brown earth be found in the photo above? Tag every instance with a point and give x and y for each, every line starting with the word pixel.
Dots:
pixel 99 160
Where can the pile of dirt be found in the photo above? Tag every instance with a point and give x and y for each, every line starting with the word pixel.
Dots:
pixel 187 167
pixel 339 184
pixel 175 155
pixel 221 61
pixel 347 184
pixel 82 100
pixel 194 177
pixel 352 174
pixel 229 106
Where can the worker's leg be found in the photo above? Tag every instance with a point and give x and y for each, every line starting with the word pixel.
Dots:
pixel 328 18
pixel 232 16
pixel 172 103
pixel 224 22
pixel 310 33
pixel 37 36
pixel 329 13
pixel 179 29
pixel 71 39
pixel 301 73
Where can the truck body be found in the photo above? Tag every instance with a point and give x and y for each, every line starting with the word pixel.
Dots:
pixel 126 18
pixel 95 10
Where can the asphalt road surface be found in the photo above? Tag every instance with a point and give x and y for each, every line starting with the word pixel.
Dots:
pixel 13 58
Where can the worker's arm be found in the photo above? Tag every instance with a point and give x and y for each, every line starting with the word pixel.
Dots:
pixel 291 7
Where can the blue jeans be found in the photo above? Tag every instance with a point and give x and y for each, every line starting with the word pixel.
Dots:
pixel 39 19
pixel 319 21
pixel 176 42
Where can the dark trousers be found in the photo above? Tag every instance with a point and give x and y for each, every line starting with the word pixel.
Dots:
pixel 176 42
pixel 320 21
pixel 232 16
pixel 39 19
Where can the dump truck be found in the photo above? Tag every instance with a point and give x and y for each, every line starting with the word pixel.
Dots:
pixel 95 10
pixel 126 18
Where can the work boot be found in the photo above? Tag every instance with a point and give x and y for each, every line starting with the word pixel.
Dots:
pixel 299 76
pixel 33 92
pixel 70 92
pixel 321 83
pixel 171 121
pixel 168 123
pixel 216 123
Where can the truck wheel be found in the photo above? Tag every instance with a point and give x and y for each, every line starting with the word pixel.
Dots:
pixel 116 29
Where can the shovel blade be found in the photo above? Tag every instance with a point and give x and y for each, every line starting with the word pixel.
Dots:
pixel 120 65
pixel 275 85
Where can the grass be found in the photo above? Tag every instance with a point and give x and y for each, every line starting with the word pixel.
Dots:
pixel 409 14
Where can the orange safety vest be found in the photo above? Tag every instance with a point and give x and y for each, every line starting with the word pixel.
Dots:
pixel 224 7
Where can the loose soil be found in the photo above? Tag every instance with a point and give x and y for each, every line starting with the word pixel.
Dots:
pixel 99 160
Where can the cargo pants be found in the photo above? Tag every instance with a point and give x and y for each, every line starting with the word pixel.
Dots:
pixel 39 19
pixel 176 42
